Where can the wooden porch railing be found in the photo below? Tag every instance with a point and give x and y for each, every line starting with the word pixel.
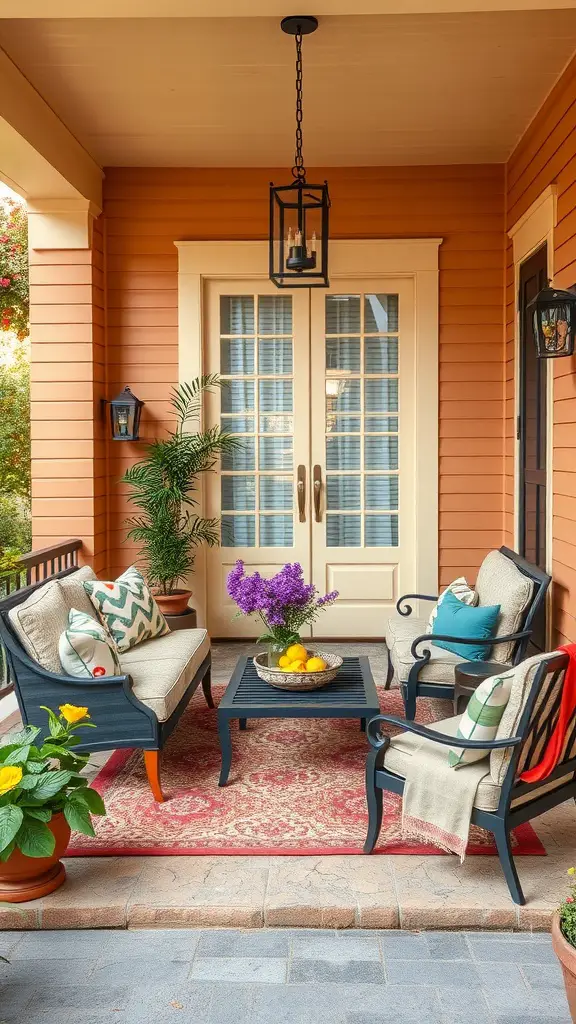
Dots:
pixel 34 567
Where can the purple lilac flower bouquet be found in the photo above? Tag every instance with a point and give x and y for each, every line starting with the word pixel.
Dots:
pixel 284 603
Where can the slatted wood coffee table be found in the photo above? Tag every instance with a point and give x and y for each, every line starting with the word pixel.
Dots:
pixel 352 694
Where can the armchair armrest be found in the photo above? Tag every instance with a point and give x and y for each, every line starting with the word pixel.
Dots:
pixel 378 741
pixel 475 641
pixel 412 597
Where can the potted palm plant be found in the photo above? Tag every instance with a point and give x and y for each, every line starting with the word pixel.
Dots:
pixel 165 488
pixel 564 942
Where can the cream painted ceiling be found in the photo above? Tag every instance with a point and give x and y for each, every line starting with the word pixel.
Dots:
pixel 379 89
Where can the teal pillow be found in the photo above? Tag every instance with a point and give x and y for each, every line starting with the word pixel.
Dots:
pixel 454 618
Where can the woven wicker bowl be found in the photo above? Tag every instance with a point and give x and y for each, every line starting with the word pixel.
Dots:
pixel 298 680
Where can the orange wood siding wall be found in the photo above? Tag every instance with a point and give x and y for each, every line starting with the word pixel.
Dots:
pixel 546 155
pixel 68 382
pixel 146 210
pixel 76 471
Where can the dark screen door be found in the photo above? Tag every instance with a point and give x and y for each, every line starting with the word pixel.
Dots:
pixel 532 429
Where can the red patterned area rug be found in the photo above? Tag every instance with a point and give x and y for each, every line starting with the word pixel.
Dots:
pixel 296 787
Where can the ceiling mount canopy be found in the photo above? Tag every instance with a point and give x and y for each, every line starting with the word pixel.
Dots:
pixel 299 212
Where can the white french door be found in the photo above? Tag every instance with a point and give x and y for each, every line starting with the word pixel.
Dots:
pixel 320 386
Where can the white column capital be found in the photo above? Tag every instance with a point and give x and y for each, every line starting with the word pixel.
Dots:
pixel 61 223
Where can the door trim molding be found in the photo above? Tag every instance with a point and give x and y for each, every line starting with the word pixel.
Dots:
pixel 415 258
pixel 534 229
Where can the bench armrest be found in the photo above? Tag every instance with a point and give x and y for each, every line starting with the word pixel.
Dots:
pixel 378 741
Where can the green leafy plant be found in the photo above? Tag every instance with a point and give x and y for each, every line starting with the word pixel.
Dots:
pixel 165 485
pixel 14 302
pixel 38 781
pixel 567 911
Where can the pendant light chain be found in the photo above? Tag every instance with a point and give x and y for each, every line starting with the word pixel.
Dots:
pixel 299 171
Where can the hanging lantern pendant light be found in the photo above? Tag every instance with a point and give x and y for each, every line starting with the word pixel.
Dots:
pixel 298 244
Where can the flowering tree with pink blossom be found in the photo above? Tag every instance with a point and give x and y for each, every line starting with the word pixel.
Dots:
pixel 14 297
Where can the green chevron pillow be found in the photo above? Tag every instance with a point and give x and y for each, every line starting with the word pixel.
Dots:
pixel 127 609
pixel 86 648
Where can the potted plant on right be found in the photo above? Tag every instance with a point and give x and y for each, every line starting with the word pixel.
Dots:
pixel 165 488
pixel 564 942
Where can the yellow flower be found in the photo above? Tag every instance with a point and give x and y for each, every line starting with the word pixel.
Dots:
pixel 9 778
pixel 72 713
pixel 572 871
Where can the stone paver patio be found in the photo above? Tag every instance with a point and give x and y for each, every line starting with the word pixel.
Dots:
pixel 287 976
pixel 407 892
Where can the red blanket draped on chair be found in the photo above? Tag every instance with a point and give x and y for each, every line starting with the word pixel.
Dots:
pixel 556 742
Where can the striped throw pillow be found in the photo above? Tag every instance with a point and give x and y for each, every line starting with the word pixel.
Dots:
pixel 86 648
pixel 481 718
pixel 461 590
pixel 127 608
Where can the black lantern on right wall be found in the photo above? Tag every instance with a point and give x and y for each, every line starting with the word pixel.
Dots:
pixel 554 313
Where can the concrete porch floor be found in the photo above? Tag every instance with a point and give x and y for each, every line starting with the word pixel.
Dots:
pixel 381 892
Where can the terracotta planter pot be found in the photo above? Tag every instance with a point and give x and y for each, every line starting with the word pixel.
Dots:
pixel 175 603
pixel 567 957
pixel 28 878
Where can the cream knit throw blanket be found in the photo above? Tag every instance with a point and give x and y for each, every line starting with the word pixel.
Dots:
pixel 438 800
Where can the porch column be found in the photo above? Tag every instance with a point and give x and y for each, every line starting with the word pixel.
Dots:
pixel 67 385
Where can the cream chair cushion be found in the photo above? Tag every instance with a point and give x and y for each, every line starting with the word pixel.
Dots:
pixel 404 748
pixel 500 582
pixel 162 668
pixel 400 634
pixel 522 679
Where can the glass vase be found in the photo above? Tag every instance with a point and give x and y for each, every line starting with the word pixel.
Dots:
pixel 274 653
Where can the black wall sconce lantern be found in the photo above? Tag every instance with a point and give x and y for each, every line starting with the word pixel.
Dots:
pixel 299 212
pixel 554 313
pixel 125 412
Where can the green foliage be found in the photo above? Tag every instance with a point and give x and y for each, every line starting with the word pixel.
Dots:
pixel 14 418
pixel 568 912
pixel 165 488
pixel 14 300
pixel 37 781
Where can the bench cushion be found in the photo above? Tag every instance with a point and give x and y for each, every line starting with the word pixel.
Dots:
pixel 41 619
pixel 162 668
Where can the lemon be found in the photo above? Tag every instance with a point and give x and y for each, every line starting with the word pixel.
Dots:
pixel 297 653
pixel 284 661
pixel 315 665
pixel 297 666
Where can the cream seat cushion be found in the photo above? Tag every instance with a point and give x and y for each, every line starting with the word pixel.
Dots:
pixel 41 619
pixel 500 582
pixel 400 635
pixel 162 668
pixel 405 747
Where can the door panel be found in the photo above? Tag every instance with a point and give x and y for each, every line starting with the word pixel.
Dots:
pixel 257 339
pixel 532 431
pixel 362 408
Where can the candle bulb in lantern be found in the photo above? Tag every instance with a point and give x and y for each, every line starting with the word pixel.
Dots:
pixel 313 244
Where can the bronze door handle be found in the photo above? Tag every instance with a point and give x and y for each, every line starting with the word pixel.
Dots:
pixel 301 493
pixel 318 493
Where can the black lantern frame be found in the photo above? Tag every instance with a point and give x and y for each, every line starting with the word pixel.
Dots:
pixel 125 412
pixel 299 212
pixel 554 319
pixel 292 207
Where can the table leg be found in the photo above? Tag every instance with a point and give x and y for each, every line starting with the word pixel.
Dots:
pixel 242 723
pixel 362 725
pixel 225 748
